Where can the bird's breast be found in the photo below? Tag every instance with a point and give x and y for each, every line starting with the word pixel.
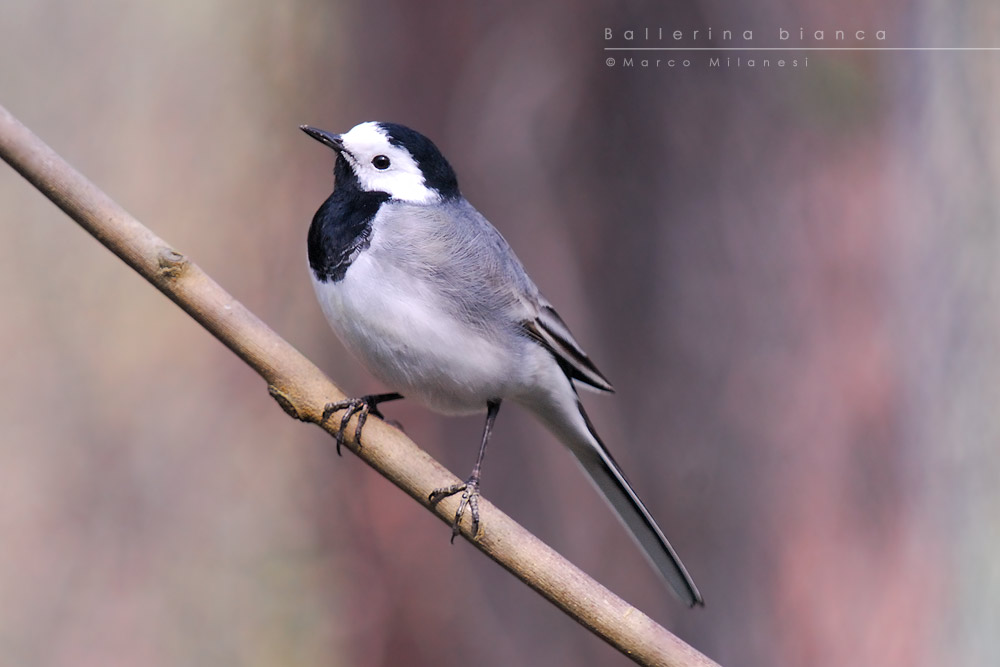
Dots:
pixel 404 330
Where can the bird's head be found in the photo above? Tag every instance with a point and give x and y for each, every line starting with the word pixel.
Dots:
pixel 389 158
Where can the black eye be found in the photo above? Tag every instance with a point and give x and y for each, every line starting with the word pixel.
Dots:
pixel 380 162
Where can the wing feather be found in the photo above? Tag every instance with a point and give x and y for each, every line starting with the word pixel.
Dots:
pixel 551 332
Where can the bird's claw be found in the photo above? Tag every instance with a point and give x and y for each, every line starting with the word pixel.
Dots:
pixel 470 499
pixel 362 407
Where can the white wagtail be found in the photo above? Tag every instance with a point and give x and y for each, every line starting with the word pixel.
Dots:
pixel 420 286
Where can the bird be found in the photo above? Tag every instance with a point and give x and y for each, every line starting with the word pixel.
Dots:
pixel 425 291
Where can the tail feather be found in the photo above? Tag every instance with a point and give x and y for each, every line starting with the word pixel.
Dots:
pixel 610 481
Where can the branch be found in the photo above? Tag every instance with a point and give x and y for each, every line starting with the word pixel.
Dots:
pixel 302 390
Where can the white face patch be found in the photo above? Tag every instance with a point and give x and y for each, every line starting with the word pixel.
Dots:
pixel 401 179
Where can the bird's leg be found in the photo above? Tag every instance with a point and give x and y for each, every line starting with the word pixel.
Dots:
pixel 470 487
pixel 361 407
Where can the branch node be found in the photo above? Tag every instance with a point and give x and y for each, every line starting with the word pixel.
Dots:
pixel 286 403
pixel 171 262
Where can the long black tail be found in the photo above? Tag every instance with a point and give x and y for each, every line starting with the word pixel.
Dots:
pixel 608 478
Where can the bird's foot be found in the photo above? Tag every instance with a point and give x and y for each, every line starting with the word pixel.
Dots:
pixel 362 407
pixel 470 499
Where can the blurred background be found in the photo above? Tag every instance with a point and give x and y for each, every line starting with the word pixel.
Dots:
pixel 789 275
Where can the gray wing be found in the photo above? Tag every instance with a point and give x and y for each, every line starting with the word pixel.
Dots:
pixel 454 247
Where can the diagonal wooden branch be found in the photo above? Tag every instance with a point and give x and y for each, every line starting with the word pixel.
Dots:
pixel 303 390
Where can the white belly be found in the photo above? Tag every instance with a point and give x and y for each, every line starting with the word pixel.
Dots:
pixel 405 336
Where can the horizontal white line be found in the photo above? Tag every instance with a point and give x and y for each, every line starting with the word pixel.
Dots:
pixel 802 48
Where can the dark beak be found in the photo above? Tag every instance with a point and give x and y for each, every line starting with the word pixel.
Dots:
pixel 332 140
